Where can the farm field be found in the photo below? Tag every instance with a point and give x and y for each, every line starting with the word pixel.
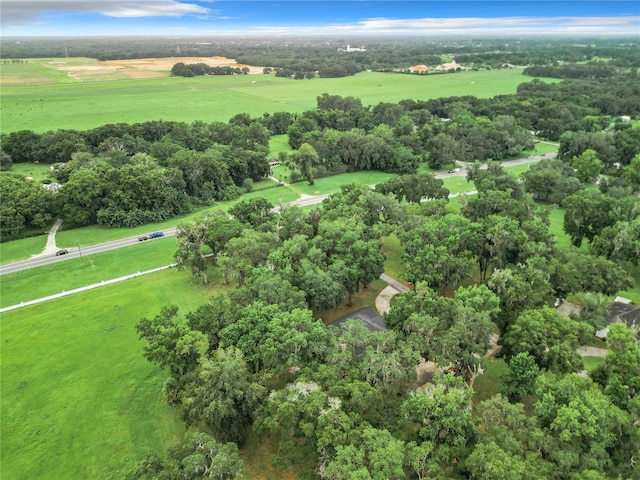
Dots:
pixel 49 71
pixel 83 106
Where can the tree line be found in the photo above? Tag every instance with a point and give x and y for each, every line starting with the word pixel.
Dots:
pixel 126 175
pixel 309 54
pixel 181 69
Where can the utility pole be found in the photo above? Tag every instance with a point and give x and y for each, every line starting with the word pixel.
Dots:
pixel 79 251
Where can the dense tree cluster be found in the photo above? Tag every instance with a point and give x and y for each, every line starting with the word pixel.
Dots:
pixel 342 400
pixel 198 456
pixel 181 69
pixel 396 137
pixel 25 204
pixel 593 69
pixel 348 408
pixel 127 175
pixel 297 249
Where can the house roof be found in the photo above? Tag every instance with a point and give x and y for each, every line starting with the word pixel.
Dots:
pixel 622 311
pixel 371 319
pixel 626 313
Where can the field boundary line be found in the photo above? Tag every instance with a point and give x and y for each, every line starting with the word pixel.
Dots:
pixel 84 289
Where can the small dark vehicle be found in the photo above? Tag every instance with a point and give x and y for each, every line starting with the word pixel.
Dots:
pixel 64 251
pixel 149 236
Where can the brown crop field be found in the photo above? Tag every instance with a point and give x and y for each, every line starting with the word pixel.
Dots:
pixel 49 71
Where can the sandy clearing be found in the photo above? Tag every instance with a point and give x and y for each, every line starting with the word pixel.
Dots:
pixel 140 68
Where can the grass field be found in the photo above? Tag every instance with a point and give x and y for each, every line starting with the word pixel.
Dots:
pixel 21 249
pixel 633 293
pixel 78 398
pixel 590 363
pixel 279 143
pixel 82 106
pixel 74 273
pixel 393 265
pixel 488 384
pixel 37 171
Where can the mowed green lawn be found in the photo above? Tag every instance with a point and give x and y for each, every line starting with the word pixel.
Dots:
pixel 78 398
pixel 75 272
pixel 83 106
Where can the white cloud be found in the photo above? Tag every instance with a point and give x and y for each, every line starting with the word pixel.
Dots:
pixel 24 12
pixel 619 25
pixel 377 24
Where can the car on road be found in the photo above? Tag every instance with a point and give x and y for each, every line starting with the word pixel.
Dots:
pixel 454 170
pixel 149 236
pixel 64 251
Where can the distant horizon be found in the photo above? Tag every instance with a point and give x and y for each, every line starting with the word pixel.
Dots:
pixel 309 18
pixel 357 36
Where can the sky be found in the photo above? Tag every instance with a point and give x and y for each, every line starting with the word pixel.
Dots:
pixel 306 17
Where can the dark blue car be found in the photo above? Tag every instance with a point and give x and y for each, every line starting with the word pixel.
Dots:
pixel 156 235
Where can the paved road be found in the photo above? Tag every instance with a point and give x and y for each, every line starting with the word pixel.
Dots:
pixel 39 260
pixel 303 201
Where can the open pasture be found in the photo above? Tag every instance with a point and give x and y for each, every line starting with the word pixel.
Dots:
pixel 83 106
pixel 78 398
pixel 78 272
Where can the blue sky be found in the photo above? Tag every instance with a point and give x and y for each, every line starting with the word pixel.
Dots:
pixel 302 17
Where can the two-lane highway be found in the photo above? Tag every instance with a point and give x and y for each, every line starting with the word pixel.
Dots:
pixel 75 252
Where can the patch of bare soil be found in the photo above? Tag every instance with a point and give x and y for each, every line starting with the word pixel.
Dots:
pixel 567 308
pixel 142 67
pixel 425 372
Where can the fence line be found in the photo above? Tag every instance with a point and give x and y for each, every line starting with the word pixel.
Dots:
pixel 84 289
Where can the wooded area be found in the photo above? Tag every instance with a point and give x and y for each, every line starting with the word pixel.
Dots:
pixel 341 399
